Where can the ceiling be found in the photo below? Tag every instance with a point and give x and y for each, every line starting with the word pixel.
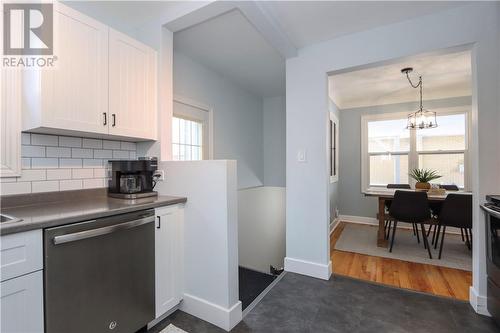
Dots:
pixel 309 22
pixel 230 45
pixel 444 76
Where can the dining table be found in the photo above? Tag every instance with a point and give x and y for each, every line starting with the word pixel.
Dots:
pixel 385 194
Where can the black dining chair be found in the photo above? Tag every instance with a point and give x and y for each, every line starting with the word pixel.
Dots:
pixel 387 224
pixel 410 207
pixel 456 212
pixel 436 209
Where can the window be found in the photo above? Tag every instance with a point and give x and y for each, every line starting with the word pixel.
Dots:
pixel 390 151
pixel 190 131
pixel 187 142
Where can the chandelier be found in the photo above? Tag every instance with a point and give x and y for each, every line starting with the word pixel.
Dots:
pixel 422 118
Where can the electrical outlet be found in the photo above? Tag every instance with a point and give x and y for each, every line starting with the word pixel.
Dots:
pixel 160 174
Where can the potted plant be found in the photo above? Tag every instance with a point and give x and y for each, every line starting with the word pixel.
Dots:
pixel 423 177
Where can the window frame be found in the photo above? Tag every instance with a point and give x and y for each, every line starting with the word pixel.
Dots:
pixel 413 154
pixel 207 124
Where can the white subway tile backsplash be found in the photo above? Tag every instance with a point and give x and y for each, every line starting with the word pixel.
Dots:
pixel 44 163
pixel 15 188
pixel 45 186
pixel 26 138
pixel 128 146
pixel 61 163
pixel 69 141
pixel 25 163
pixel 92 143
pixel 58 152
pixel 82 173
pixel 107 144
pixel 92 163
pixel 70 163
pixel 32 175
pixel 44 140
pixel 73 184
pixel 99 173
pixel 82 153
pixel 56 174
pixel 93 183
pixel 99 153
pixel 32 151
pixel 8 179
pixel 121 154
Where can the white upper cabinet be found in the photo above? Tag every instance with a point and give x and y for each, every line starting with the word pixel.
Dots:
pixel 10 122
pixel 132 87
pixel 103 83
pixel 73 96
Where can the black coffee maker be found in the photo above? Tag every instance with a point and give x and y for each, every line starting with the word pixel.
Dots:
pixel 132 179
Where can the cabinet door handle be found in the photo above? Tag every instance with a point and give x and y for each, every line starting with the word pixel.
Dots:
pixel 158 226
pixel 105 118
pixel 114 120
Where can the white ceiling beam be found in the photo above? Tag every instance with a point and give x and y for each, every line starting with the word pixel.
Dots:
pixel 254 12
pixel 266 24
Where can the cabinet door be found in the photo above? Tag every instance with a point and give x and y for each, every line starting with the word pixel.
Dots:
pixel 132 87
pixel 169 258
pixel 21 304
pixel 10 123
pixel 75 92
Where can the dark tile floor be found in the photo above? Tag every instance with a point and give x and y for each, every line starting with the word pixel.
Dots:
pixel 251 284
pixel 302 304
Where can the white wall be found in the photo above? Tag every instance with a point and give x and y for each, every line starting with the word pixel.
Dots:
pixel 237 117
pixel 274 128
pixel 261 227
pixel 210 237
pixel 352 201
pixel 307 97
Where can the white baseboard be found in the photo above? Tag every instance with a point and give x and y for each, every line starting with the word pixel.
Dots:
pixel 334 224
pixel 358 219
pixel 320 271
pixel 374 221
pixel 478 302
pixel 213 313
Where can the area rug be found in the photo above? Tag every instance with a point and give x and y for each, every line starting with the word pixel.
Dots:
pixel 172 329
pixel 362 239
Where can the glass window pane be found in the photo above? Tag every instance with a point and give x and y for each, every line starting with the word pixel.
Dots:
pixel 182 131
pixel 450 166
pixel 176 152
pixel 388 136
pixel 196 153
pixel 449 135
pixel 187 153
pixel 388 169
pixel 196 133
pixel 175 130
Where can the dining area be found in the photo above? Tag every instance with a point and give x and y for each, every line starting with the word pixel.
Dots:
pixel 431 214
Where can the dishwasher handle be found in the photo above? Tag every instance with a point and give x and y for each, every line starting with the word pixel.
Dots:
pixel 101 231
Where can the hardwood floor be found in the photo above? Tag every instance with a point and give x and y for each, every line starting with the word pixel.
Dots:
pixel 430 279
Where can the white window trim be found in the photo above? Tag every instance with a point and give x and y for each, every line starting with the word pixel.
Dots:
pixel 210 129
pixel 332 117
pixel 413 154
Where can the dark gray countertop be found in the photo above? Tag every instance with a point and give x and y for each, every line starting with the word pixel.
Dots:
pixel 37 213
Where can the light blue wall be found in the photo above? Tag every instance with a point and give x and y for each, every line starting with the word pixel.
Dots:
pixel 274 128
pixel 352 201
pixel 334 187
pixel 238 117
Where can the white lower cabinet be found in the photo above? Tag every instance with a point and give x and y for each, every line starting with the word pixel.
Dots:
pixel 168 257
pixel 22 304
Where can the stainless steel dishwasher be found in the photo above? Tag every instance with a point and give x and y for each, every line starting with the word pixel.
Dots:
pixel 99 275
